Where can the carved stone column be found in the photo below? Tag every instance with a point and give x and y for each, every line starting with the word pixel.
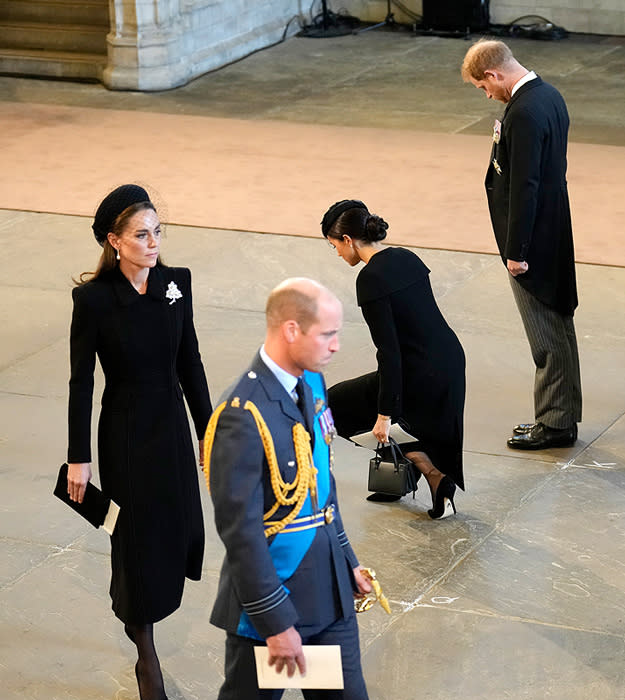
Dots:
pixel 146 46
pixel 161 44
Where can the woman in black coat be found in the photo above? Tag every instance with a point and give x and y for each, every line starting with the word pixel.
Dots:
pixel 136 315
pixel 420 380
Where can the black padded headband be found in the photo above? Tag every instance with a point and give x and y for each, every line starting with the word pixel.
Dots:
pixel 113 205
pixel 336 210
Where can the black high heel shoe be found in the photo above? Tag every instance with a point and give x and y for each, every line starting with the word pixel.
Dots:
pixel 139 676
pixel 443 505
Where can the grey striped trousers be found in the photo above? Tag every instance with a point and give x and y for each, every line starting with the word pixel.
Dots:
pixel 557 384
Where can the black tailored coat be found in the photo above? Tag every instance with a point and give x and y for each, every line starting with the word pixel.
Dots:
pixel 528 197
pixel 320 590
pixel 421 364
pixel 148 350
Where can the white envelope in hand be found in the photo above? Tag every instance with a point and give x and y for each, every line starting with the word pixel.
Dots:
pixel 324 669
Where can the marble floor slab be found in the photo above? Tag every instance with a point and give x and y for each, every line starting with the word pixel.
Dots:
pixel 520 596
pixel 520 591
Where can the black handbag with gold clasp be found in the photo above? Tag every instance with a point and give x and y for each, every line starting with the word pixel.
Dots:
pixel 390 472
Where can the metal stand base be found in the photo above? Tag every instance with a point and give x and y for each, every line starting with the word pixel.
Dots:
pixel 331 25
pixel 389 21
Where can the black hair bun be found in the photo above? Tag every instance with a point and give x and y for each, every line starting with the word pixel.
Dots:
pixel 375 228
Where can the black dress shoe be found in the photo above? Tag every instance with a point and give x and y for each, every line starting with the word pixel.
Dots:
pixel 541 437
pixel 522 428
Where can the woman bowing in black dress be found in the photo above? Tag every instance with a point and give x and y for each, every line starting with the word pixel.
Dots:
pixel 135 314
pixel 420 380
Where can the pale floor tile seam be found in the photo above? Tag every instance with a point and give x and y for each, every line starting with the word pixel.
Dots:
pixel 431 585
pixel 512 454
pixel 579 450
pixel 383 60
pixel 497 528
pixel 594 467
pixel 57 551
pixel 459 284
pixel 615 420
pixel 592 62
pixel 396 110
pixel 473 122
pixel 601 337
pixel 9 222
pixel 408 606
pixel 6 539
pixel 31 396
pixel 325 87
pixel 199 305
pixel 418 603
pixel 35 288
pixel 522 620
pixel 29 355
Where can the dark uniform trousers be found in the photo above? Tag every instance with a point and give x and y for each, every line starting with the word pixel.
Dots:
pixel 557 384
pixel 240 667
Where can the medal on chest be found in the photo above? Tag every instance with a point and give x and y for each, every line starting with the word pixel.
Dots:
pixel 497 131
pixel 326 422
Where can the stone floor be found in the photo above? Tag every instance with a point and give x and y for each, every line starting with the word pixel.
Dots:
pixel 520 596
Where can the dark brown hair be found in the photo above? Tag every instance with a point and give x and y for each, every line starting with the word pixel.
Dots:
pixel 108 259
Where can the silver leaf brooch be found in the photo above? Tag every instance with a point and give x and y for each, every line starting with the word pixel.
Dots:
pixel 173 293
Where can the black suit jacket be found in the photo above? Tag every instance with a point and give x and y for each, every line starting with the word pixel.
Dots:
pixel 527 194
pixel 320 590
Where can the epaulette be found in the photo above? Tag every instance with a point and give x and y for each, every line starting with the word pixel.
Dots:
pixel 244 389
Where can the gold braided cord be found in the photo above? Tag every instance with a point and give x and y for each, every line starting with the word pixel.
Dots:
pixel 304 459
pixel 305 477
pixel 209 439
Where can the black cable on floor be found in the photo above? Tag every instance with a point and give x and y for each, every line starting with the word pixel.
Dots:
pixel 540 28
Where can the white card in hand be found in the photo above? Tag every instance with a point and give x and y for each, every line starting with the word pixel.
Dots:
pixel 369 440
pixel 111 518
pixel 324 669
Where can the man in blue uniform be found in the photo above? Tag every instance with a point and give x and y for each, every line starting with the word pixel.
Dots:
pixel 289 573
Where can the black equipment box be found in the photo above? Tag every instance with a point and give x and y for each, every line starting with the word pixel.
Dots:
pixel 456 15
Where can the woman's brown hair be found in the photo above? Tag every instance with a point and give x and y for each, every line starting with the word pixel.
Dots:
pixel 108 260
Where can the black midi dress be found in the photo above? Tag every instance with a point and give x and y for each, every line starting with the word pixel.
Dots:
pixel 148 350
pixel 420 380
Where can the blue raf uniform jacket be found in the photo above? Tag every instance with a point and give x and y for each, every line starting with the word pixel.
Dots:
pixel 302 579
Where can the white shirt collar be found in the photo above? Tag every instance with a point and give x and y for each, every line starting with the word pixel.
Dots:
pixel 525 79
pixel 288 381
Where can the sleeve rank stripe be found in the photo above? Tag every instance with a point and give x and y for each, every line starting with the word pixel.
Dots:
pixel 267 603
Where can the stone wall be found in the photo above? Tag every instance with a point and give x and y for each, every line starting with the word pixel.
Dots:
pixel 161 44
pixel 585 16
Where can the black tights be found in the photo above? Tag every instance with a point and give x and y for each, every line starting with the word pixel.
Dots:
pixel 148 668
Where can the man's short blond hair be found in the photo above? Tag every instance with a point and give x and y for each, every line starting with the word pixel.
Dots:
pixel 295 299
pixel 485 54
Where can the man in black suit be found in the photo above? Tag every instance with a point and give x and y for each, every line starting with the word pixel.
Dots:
pixel 529 209
pixel 289 573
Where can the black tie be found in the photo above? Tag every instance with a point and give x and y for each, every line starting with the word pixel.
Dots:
pixel 301 401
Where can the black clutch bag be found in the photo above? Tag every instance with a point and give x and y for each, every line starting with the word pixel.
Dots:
pixel 390 472
pixel 96 508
